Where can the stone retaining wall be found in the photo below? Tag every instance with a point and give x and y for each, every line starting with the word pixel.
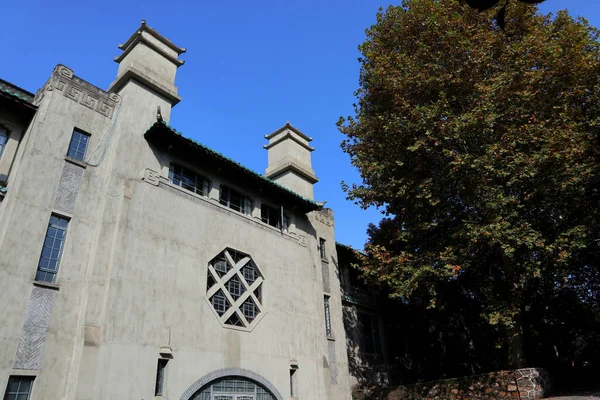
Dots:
pixel 526 383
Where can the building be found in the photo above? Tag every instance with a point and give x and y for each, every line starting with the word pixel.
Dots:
pixel 364 325
pixel 138 264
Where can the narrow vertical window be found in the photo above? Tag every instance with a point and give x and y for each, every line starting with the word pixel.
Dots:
pixel 3 140
pixel 78 145
pixel 322 248
pixel 327 317
pixel 293 382
pixel 52 250
pixel 18 388
pixel 160 376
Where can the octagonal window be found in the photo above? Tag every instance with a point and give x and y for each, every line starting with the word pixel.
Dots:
pixel 234 288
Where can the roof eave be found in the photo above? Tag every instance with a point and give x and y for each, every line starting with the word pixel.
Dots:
pixel 294 199
pixel 293 129
pixel 158 36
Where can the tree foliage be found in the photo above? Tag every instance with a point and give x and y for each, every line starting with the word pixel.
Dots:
pixel 482 148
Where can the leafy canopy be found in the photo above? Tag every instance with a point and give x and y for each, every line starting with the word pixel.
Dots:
pixel 482 148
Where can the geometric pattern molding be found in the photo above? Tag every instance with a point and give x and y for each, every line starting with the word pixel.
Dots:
pixel 33 337
pixel 230 372
pixel 333 372
pixel 64 81
pixel 325 272
pixel 68 187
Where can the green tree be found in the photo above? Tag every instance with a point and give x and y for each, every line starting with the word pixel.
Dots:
pixel 481 147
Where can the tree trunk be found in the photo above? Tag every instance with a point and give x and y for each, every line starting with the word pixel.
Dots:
pixel 514 343
pixel 514 332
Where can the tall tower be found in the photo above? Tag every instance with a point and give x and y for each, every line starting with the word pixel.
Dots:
pixel 150 60
pixel 289 160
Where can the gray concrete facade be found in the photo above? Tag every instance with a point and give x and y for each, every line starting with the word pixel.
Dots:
pixel 134 278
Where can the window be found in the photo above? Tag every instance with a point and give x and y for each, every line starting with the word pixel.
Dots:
pixel 370 340
pixel 293 382
pixel 160 376
pixel 233 387
pixel 327 317
pixel 52 250
pixel 78 145
pixel 272 216
pixel 188 179
pixel 18 388
pixel 249 273
pixel 235 200
pixel 249 309
pixel 220 303
pixel 322 248
pixel 236 289
pixel 221 265
pixel 239 288
pixel 3 140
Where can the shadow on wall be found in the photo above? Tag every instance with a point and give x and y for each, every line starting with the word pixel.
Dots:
pixel 368 369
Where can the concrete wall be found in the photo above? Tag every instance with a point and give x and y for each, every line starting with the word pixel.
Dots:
pixel 134 267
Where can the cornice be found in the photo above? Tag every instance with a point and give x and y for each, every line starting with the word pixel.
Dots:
pixel 156 35
pixel 288 135
pixel 293 129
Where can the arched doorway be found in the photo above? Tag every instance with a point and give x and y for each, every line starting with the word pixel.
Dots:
pixel 232 384
pixel 233 388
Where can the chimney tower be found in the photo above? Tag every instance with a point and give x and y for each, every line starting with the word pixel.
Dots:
pixel 289 160
pixel 151 60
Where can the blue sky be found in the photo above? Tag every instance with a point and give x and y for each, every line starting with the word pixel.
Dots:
pixel 249 68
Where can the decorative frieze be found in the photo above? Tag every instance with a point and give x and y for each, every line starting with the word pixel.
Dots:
pixel 302 240
pixel 152 177
pixel 80 91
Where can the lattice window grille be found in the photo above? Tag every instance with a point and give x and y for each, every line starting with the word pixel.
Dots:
pixel 236 294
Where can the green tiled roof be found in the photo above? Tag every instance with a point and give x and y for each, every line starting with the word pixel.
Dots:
pixel 234 165
pixel 16 92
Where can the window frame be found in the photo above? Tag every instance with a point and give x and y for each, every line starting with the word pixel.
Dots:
pixel 235 287
pixel 267 219
pixel 242 288
pixel 161 369
pixel 246 203
pixel 222 303
pixel 293 383
pixel 249 316
pixel 323 248
pixel 201 182
pixel 77 150
pixel 4 132
pixel 327 309
pixel 17 395
pixel 45 270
